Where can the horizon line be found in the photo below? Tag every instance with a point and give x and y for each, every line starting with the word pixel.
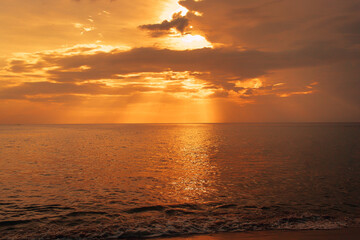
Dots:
pixel 159 123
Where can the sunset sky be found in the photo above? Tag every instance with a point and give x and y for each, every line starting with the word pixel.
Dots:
pixel 159 61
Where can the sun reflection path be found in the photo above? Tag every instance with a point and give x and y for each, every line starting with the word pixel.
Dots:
pixel 194 175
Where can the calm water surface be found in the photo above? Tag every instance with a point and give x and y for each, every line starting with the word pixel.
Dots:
pixel 121 181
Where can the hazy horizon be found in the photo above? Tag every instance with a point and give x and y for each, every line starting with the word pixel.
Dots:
pixel 155 123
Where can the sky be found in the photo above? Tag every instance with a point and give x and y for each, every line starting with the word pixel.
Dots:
pixel 189 61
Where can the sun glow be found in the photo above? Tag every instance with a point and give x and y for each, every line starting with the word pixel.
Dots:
pixel 172 8
pixel 188 41
pixel 192 38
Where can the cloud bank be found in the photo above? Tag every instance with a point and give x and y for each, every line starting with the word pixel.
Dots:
pixel 272 60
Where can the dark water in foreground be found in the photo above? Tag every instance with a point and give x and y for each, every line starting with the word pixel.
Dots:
pixel 120 181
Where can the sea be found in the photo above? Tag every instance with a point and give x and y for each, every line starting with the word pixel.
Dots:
pixel 124 181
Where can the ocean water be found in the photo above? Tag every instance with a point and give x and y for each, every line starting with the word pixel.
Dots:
pixel 153 180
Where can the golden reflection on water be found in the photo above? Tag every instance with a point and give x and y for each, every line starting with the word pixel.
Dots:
pixel 192 170
pixel 99 177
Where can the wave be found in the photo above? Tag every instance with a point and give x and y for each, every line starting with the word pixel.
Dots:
pixel 170 220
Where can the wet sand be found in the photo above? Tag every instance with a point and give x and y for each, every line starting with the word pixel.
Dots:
pixel 346 234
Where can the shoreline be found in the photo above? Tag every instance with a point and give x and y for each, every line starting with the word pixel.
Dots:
pixel 333 234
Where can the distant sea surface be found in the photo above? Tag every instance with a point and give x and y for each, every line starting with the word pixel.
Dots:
pixel 152 180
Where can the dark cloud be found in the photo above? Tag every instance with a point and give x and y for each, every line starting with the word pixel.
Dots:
pixel 177 22
pixel 21 66
pixel 218 68
pixel 222 65
pixel 275 24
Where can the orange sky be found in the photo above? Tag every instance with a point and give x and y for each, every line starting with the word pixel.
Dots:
pixel 117 61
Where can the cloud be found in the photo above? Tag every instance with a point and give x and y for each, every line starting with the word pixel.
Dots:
pixel 40 90
pixel 178 22
pixel 275 24
pixel 222 64
pixel 200 73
